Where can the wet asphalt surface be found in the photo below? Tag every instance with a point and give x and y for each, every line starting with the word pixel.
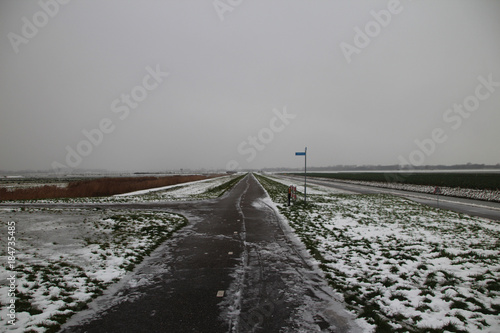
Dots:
pixel 235 268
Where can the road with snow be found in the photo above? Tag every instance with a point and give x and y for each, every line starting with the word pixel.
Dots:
pixel 235 268
pixel 485 209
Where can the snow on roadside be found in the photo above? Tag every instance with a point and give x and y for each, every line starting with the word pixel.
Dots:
pixel 190 188
pixel 311 188
pixel 186 191
pixel 486 195
pixel 400 265
pixel 192 191
pixel 67 257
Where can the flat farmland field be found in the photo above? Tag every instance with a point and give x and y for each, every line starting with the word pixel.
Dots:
pixel 64 257
pixel 400 265
pixel 48 188
pixel 479 181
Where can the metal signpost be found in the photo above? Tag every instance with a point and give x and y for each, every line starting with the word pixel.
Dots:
pixel 304 153
pixel 437 192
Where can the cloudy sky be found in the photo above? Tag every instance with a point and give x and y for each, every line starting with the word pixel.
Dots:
pixel 164 84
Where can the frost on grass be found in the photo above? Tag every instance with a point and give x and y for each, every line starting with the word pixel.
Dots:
pixel 65 258
pixel 402 266
pixel 202 190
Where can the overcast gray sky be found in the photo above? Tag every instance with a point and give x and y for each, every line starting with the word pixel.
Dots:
pixel 155 85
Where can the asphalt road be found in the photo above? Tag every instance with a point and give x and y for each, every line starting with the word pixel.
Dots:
pixel 485 209
pixel 235 268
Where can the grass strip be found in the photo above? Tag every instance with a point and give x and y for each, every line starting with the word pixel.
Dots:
pixel 479 181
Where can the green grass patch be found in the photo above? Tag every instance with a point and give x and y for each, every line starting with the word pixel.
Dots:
pixel 397 262
pixel 480 181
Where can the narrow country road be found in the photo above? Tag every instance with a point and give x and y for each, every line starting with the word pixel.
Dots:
pixel 235 268
pixel 480 208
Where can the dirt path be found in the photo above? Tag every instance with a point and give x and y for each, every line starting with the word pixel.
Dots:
pixel 234 269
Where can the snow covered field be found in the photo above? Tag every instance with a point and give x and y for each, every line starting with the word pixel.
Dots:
pixel 65 257
pixel 402 266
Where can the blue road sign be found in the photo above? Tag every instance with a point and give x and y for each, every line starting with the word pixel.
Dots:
pixel 304 153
